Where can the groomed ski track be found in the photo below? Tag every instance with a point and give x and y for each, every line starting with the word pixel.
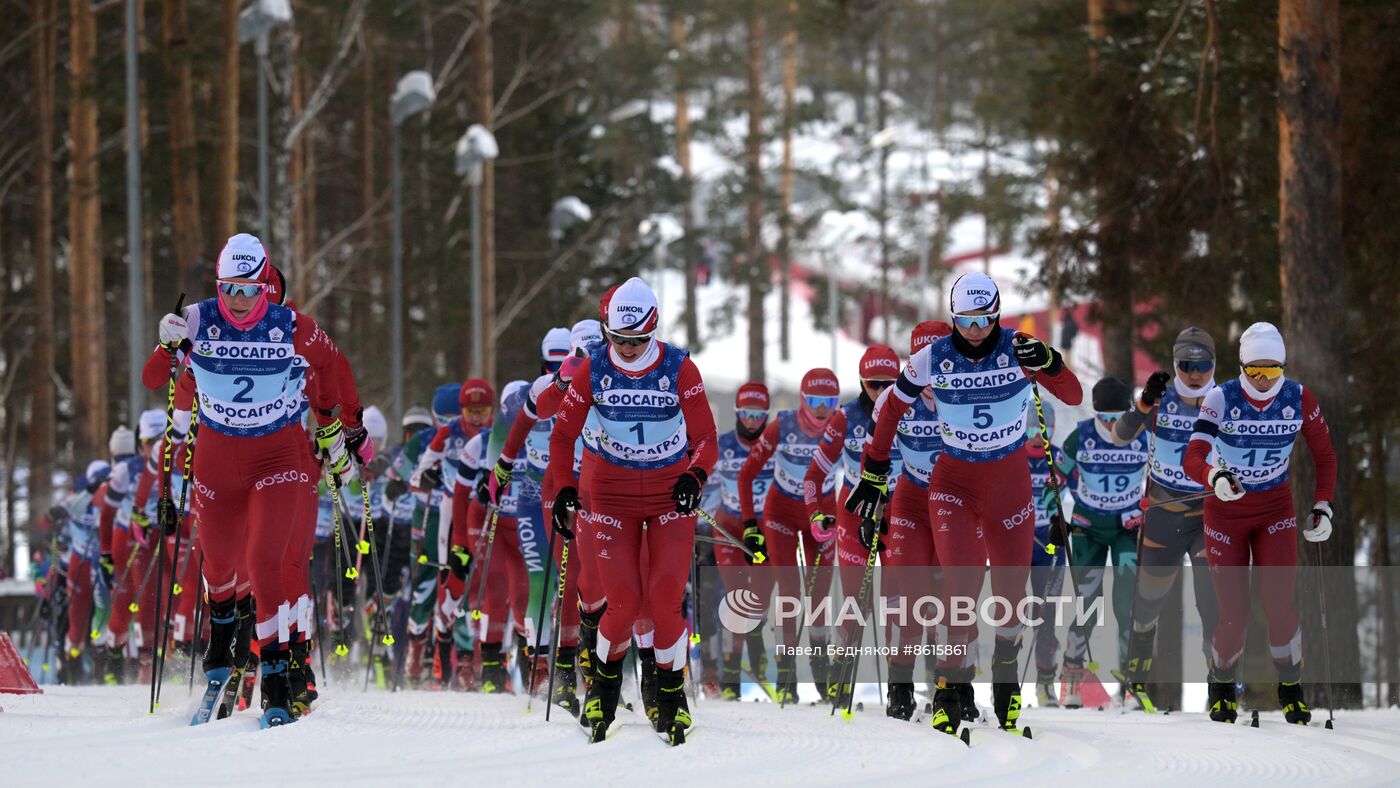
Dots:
pixel 103 736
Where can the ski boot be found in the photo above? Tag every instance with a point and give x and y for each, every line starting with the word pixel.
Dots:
pixel 646 662
pixel 841 680
pixel 1006 684
pixel 493 668
pixel 1139 667
pixel 968 698
pixel 565 694
pixel 729 686
pixel 464 679
pixel 218 662
pixel 442 663
pixel 787 680
pixel 822 675
pixel 588 641
pixel 1220 695
pixel 413 661
pixel 115 673
pixel 709 681
pixel 276 689
pixel 947 707
pixel 600 706
pixel 301 679
pixel 1072 677
pixel 1045 694
pixel 901 700
pixel 673 720
pixel 1290 697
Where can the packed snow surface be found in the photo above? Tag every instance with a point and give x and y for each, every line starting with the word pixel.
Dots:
pixel 103 736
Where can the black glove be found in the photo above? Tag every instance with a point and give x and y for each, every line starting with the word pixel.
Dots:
pixel 1154 388
pixel 754 541
pixel 483 489
pixel 355 437
pixel 395 489
pixel 1059 530
pixel 431 477
pixel 868 529
pixel 377 466
pixel 565 504
pixel 686 492
pixel 459 562
pixel 106 566
pixel 1031 353
pixel 166 516
pixel 867 501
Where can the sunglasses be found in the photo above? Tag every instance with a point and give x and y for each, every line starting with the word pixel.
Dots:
pixel 752 414
pixel 879 384
pixel 1196 365
pixel 1110 416
pixel 248 289
pixel 976 321
pixel 815 401
pixel 1271 372
pixel 629 339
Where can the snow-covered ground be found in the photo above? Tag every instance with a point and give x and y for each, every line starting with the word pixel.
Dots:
pixel 103 736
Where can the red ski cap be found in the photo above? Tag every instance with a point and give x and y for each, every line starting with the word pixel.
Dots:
pixel 880 362
pixel 924 333
pixel 821 382
pixel 752 395
pixel 603 304
pixel 476 393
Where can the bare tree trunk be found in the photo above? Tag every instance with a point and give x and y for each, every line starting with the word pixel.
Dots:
pixel 485 96
pixel 785 218
pixel 184 170
pixel 1313 286
pixel 688 247
pixel 226 186
pixel 86 312
pixel 881 118
pixel 753 251
pixel 372 99
pixel 1115 275
pixel 1388 692
pixel 42 439
pixel 307 280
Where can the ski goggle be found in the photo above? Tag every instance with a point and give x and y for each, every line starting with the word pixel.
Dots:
pixel 247 289
pixel 553 366
pixel 976 321
pixel 1196 365
pixel 815 401
pixel 877 384
pixel 1271 372
pixel 752 414
pixel 1110 416
pixel 629 339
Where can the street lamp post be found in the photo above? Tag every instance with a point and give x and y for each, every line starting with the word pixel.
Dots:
pixel 254 24
pixel 476 147
pixel 413 94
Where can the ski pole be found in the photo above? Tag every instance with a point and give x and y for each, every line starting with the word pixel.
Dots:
pixel 341 573
pixel 808 584
pixel 166 504
pixel 178 561
pixel 758 557
pixel 558 616
pixel 866 577
pixel 539 622
pixel 198 622
pixel 387 637
pixel 1326 643
pixel 416 558
pixel 1180 499
pixel 485 564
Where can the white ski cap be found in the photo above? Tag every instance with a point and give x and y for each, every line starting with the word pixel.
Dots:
pixel 375 424
pixel 151 425
pixel 1262 342
pixel 243 257
pixel 633 307
pixel 122 442
pixel 586 334
pixel 97 470
pixel 974 291
pixel 511 388
pixel 555 345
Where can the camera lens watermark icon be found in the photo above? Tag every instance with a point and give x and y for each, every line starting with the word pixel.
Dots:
pixel 741 611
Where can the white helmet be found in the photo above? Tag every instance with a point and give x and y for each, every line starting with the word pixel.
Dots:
pixel 122 442
pixel 151 425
